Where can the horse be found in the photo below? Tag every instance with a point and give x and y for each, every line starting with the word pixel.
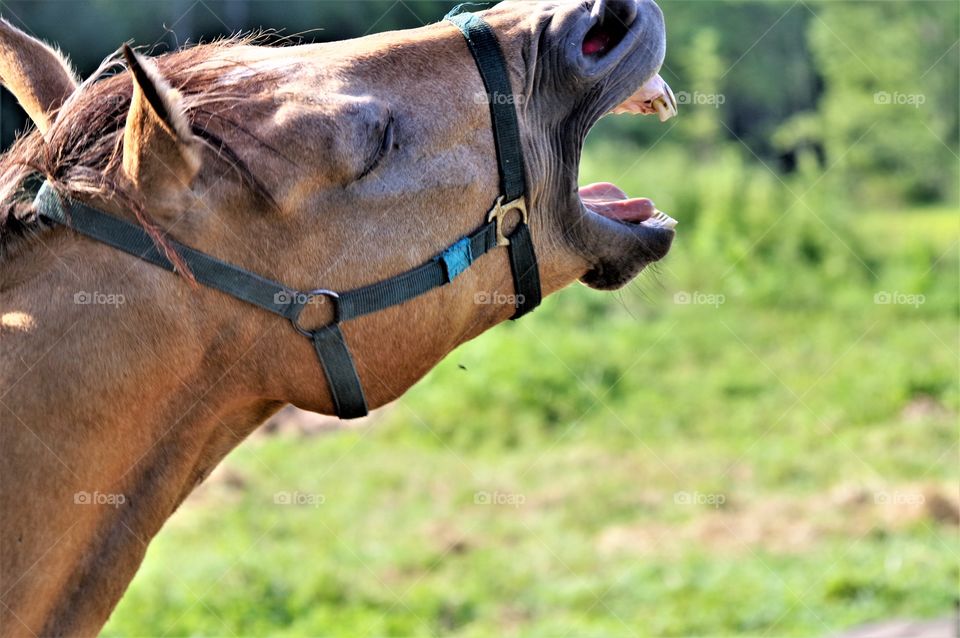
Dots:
pixel 340 165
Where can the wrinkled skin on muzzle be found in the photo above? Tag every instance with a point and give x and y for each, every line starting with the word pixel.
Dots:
pixel 585 59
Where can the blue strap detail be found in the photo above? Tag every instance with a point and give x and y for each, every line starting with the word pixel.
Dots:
pixel 457 258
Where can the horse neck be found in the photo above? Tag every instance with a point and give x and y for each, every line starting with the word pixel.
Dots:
pixel 102 397
pixel 109 502
pixel 106 346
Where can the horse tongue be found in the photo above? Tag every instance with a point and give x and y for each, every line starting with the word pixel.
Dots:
pixel 607 200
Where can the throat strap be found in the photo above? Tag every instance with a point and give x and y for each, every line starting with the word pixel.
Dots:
pixel 345 387
pixel 134 240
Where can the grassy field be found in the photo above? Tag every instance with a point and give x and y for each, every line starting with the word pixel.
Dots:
pixel 735 445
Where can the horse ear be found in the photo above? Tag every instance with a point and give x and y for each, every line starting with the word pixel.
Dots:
pixel 161 155
pixel 38 76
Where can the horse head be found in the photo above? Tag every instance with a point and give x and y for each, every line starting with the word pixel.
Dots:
pixel 330 166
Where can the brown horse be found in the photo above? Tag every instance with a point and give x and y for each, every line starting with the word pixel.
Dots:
pixel 122 385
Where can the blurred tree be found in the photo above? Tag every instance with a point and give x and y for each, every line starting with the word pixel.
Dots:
pixel 888 116
pixel 757 59
pixel 702 98
pixel 767 72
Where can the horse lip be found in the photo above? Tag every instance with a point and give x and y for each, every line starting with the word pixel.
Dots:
pixel 661 236
pixel 628 68
pixel 621 250
pixel 617 250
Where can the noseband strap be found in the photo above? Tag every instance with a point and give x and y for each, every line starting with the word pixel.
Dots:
pixel 331 347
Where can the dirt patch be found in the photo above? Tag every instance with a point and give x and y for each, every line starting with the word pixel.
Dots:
pixel 790 525
pixel 447 537
pixel 940 628
pixel 925 408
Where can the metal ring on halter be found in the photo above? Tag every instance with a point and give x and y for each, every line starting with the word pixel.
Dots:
pixel 302 299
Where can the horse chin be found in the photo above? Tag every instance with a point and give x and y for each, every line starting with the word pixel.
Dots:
pixel 621 250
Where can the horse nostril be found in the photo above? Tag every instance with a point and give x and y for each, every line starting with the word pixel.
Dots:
pixel 614 19
pixel 623 11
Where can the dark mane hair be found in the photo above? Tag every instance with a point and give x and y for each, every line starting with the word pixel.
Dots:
pixel 82 151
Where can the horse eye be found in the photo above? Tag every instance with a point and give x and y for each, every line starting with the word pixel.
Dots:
pixel 386 144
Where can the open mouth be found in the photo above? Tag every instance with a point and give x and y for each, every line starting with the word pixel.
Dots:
pixel 623 46
pixel 608 200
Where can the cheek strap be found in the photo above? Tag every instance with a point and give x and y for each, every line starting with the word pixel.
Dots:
pixel 483 45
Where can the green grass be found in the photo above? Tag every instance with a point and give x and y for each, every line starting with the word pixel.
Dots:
pixel 779 462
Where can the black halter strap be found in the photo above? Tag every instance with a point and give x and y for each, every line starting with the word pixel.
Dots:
pixel 329 343
pixel 506 135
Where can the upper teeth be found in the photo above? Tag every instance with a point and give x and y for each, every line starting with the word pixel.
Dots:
pixel 666 104
pixel 654 97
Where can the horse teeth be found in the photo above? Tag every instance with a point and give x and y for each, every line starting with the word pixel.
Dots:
pixel 665 109
pixel 660 219
pixel 671 98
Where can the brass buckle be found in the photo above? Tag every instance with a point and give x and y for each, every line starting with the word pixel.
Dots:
pixel 499 212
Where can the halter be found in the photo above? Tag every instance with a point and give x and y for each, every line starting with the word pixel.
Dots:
pixel 328 341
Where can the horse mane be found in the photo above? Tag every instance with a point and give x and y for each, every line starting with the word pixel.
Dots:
pixel 81 153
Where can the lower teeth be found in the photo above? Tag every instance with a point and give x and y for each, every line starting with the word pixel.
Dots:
pixel 660 220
